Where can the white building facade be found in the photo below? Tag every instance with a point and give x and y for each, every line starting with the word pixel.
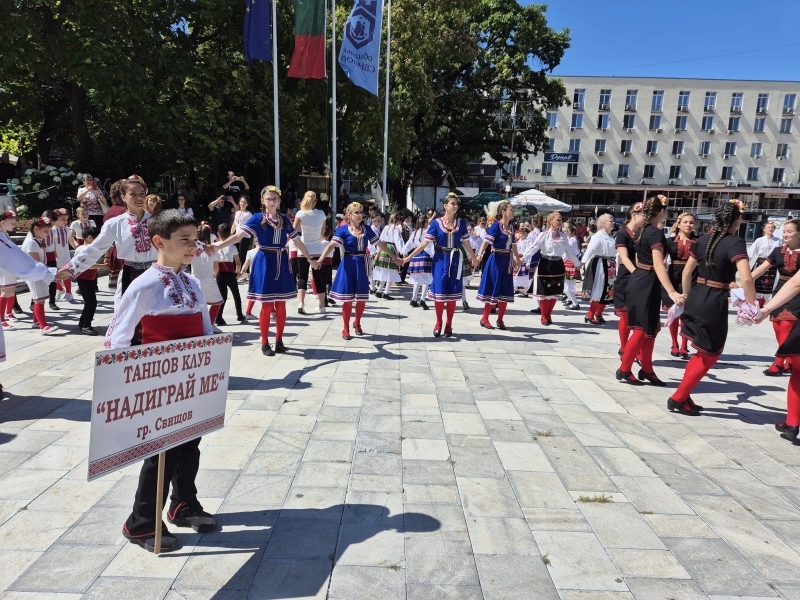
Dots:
pixel 698 141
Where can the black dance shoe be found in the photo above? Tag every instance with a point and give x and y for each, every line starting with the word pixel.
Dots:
pixel 547 321
pixel 423 305
pixel 486 324
pixel 465 306
pixel 437 331
pixel 781 427
pixel 790 433
pixel 627 378
pixel 675 352
pixel 501 325
pixel 267 350
pixel 681 407
pixel 169 543
pixel 346 335
pixel 773 371
pixel 694 406
pixel 379 294
pixel 651 377
pixel 357 329
pixel 593 320
pixel 600 320
pixel 536 311
pixel 387 297
pixel 414 303
pixel 279 347
pixel 197 519
pixel 448 331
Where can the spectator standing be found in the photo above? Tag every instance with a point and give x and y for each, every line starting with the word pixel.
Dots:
pixel 7 170
pixel 235 187
pixel 241 217
pixel 310 222
pixel 22 166
pixel 184 206
pixel 92 198
pixel 221 211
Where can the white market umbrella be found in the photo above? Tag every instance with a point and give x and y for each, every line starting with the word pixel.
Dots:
pixel 539 200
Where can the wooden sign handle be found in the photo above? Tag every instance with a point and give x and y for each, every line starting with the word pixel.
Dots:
pixel 159 503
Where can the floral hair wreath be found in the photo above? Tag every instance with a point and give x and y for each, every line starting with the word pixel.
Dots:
pixel 9 214
pixel 663 199
pixel 738 203
pixel 136 179
pixel 205 225
pixel 638 207
pixel 61 211
pixel 43 222
pixel 273 189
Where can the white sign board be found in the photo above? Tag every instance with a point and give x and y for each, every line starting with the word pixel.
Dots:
pixel 151 398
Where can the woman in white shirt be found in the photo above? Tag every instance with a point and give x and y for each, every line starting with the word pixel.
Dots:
pixel 91 197
pixel 600 267
pixel 183 206
pixel 241 217
pixel 310 223
pixel 758 253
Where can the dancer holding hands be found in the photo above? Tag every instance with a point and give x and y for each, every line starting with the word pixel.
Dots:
pixel 598 261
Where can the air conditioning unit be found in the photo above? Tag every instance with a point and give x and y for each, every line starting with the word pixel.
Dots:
pixel 789 110
pixel 781 184
pixel 672 182
pixel 737 110
pixel 629 130
pixel 630 108
pixel 605 129
pixel 758 156
pixel 600 153
pixel 678 130
pixel 626 154
pixel 711 131
pixel 731 132
pixel 683 109
pixel 551 128
pixel 659 130
pixel 730 183
pixel 594 179
pixel 621 180
pixel 703 155
pixel 651 153
pixel 536 170
pixel 791 184
pixel 762 110
pixel 695 182
pixel 782 158
pixel 572 129
pixel 726 156
pixel 708 109
pixel 604 107
pixel 679 156
pixel 577 105
pixel 643 181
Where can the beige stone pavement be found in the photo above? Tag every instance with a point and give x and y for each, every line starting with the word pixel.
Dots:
pixel 496 464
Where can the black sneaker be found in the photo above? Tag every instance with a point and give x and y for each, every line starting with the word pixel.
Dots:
pixel 330 302
pixel 220 322
pixel 414 304
pixel 423 305
pixel 387 297
pixel 196 518
pixel 241 318
pixel 169 543
pixel 279 347
pixel 53 306
pixel 267 350
pixel 536 311
pixel 465 306
pixel 89 331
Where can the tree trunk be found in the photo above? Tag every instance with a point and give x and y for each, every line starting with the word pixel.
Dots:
pixel 44 138
pixel 77 106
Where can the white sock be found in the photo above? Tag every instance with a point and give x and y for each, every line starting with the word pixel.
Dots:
pixel 463 293
pixel 569 290
pixel 414 292
pixel 424 292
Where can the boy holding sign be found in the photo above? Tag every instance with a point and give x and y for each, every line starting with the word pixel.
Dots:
pixel 170 305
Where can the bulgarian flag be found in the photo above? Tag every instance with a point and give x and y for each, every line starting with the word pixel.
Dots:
pixel 308 60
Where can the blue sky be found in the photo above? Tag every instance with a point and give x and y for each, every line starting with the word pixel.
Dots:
pixel 748 39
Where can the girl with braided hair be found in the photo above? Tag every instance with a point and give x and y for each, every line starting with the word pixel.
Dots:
pixel 679 249
pixel 643 295
pixel 718 257
pixel 626 266
pixel 783 260
pixel 497 280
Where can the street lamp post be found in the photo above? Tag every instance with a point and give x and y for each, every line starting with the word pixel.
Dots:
pixel 518 116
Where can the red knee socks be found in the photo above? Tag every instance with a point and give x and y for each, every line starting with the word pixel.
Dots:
pixel 263 320
pixel 793 398
pixel 632 347
pixel 439 308
pixel 347 308
pixel 624 331
pixel 782 330
pixel 673 332
pixel 250 304
pixel 546 305
pixel 359 311
pixel 280 320
pixel 646 355
pixel 213 311
pixel 38 315
pixel 487 310
pixel 10 306
pixel 501 311
pixel 592 309
pixel 67 286
pixel 5 308
pixel 451 310
pixel 696 369
pixel 600 309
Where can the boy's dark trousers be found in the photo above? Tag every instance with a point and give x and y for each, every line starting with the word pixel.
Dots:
pixel 89 295
pixel 226 280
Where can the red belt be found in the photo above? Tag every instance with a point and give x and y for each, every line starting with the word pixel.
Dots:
pixel 713 284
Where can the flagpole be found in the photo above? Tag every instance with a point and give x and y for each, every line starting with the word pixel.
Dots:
pixel 386 109
pixel 334 167
pixel 275 126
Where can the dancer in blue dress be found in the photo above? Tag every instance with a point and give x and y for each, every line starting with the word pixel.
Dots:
pixel 448 233
pixel 271 279
pixel 353 275
pixel 497 280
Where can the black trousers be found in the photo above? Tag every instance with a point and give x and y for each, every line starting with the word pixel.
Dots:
pixel 244 246
pixel 303 267
pixel 180 469
pixel 89 295
pixel 52 287
pixel 226 281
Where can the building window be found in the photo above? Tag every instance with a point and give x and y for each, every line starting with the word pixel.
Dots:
pixel 730 148
pixel 658 101
pixel 789 104
pixel 762 104
pixel 655 122
pixel 552 120
pixel 577 120
pixel 755 150
pixel 649 171
pixel 551 144
pixel 711 102
pixel 599 145
pixel 578 98
pixel 759 124
pixel 727 172
pixel 602 121
pixel 605 100
pixel 628 121
pixel 680 123
pixel 777 175
pixel 574 145
pixel 683 101
pixel 733 123
pixel 597 170
pixel 623 171
pixel 700 172
pixel 752 174
pixel 652 147
pixel 786 126
pixel 736 102
pixel 572 170
pixel 547 169
pixel 675 172
pixel 708 124
pixel 631 97
pixel 677 147
pixel 783 151
pixel 625 146
pixel 705 148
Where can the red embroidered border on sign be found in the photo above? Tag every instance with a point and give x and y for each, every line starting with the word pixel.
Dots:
pixel 131 455
pixel 137 353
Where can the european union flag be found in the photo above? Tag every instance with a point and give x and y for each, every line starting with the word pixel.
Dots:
pixel 257 29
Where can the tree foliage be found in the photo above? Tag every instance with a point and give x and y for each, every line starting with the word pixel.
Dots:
pixel 161 87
